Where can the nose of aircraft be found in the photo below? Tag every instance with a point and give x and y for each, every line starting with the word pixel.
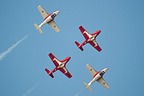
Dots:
pixel 98 31
pixel 68 58
pixel 57 12
pixel 105 69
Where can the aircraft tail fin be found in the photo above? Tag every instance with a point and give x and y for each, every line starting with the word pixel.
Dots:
pixel 79 46
pixel 87 86
pixel 38 28
pixel 50 73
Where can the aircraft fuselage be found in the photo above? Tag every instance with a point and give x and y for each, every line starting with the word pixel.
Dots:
pixel 98 75
pixel 49 18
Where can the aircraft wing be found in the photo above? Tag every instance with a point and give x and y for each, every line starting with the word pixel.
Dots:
pixel 84 32
pixel 54 26
pixel 91 70
pixel 43 12
pixel 54 59
pixel 103 83
pixel 95 45
pixel 65 72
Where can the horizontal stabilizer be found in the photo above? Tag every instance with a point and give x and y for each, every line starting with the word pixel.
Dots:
pixel 38 28
pixel 48 72
pixel 79 46
pixel 87 86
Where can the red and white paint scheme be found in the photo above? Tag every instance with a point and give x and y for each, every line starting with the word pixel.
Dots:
pixel 96 76
pixel 60 65
pixel 89 38
pixel 48 19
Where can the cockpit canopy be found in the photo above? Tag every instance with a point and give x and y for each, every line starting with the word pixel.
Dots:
pixel 102 73
pixel 53 15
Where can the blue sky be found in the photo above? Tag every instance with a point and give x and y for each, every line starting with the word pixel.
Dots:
pixel 22 70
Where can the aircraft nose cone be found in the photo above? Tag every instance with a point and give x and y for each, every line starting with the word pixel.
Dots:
pixel 99 31
pixel 69 58
pixel 57 12
pixel 105 69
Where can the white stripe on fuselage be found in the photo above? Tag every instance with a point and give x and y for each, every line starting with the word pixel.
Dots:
pixel 97 77
pixel 47 20
pixel 55 59
pixel 91 38
pixel 61 64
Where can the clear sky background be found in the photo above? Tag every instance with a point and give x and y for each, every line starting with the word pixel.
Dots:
pixel 122 41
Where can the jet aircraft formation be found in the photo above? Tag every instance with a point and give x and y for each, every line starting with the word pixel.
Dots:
pixel 61 64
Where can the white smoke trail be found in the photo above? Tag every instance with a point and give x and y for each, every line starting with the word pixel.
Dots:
pixel 3 54
pixel 29 91
pixel 77 94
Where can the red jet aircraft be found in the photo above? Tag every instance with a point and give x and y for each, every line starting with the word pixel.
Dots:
pixel 89 38
pixel 60 65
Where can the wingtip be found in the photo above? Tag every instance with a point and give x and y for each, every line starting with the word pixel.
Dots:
pixel 80 26
pixel 40 32
pixel 70 77
pixel 58 31
pixel 87 64
pixel 49 53
pixel 39 6
pixel 100 50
